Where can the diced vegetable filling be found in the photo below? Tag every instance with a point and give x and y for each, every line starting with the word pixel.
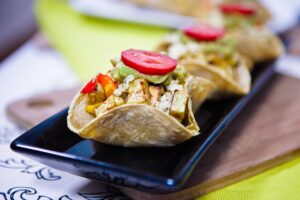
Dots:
pixel 219 53
pixel 235 21
pixel 243 14
pixel 165 92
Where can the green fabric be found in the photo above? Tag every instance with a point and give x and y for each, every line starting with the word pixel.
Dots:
pixel 279 183
pixel 88 44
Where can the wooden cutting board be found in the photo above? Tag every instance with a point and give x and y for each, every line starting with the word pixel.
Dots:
pixel 263 135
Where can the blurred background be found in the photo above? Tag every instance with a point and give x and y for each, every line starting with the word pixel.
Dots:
pixel 17 25
pixel 56 45
pixel 98 29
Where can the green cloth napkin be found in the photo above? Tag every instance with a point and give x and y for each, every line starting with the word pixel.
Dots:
pixel 89 43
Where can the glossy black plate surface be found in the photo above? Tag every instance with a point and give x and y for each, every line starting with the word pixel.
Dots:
pixel 148 169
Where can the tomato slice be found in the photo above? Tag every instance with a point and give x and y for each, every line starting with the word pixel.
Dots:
pixel 148 62
pixel 89 87
pixel 239 8
pixel 204 32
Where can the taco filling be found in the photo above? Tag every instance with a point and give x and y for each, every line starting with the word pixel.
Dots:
pixel 206 52
pixel 246 23
pixel 124 85
pixel 213 49
pixel 238 14
pixel 144 100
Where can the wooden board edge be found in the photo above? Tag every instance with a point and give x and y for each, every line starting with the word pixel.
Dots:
pixel 213 185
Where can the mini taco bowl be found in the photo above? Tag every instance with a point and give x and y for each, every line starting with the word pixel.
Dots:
pixel 258 44
pixel 131 125
pixel 133 109
pixel 238 84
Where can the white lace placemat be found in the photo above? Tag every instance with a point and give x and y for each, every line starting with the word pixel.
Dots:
pixel 32 70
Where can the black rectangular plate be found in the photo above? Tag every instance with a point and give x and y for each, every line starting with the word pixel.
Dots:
pixel 155 170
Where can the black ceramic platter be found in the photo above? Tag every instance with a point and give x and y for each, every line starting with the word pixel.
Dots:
pixel 155 170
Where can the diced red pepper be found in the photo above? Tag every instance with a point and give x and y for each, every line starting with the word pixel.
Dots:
pixel 107 84
pixel 89 87
pixel 105 81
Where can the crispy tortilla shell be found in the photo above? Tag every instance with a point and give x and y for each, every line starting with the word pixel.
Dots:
pixel 199 89
pixel 131 125
pixel 259 44
pixel 238 85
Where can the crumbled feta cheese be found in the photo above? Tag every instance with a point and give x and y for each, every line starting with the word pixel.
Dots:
pixel 128 79
pixel 123 86
pixel 193 46
pixel 177 49
pixel 174 85
pixel 172 38
pixel 165 102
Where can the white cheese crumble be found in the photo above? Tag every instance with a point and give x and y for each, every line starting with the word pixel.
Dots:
pixel 128 79
pixel 174 85
pixel 165 102
pixel 172 38
pixel 193 46
pixel 176 50
pixel 123 86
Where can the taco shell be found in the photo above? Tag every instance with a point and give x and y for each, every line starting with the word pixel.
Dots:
pixel 131 125
pixel 199 89
pixel 226 85
pixel 259 44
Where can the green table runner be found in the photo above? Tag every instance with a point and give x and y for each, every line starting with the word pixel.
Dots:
pixel 89 43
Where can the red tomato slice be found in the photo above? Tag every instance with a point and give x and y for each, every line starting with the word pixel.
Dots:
pixel 239 8
pixel 204 32
pixel 147 62
pixel 89 87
